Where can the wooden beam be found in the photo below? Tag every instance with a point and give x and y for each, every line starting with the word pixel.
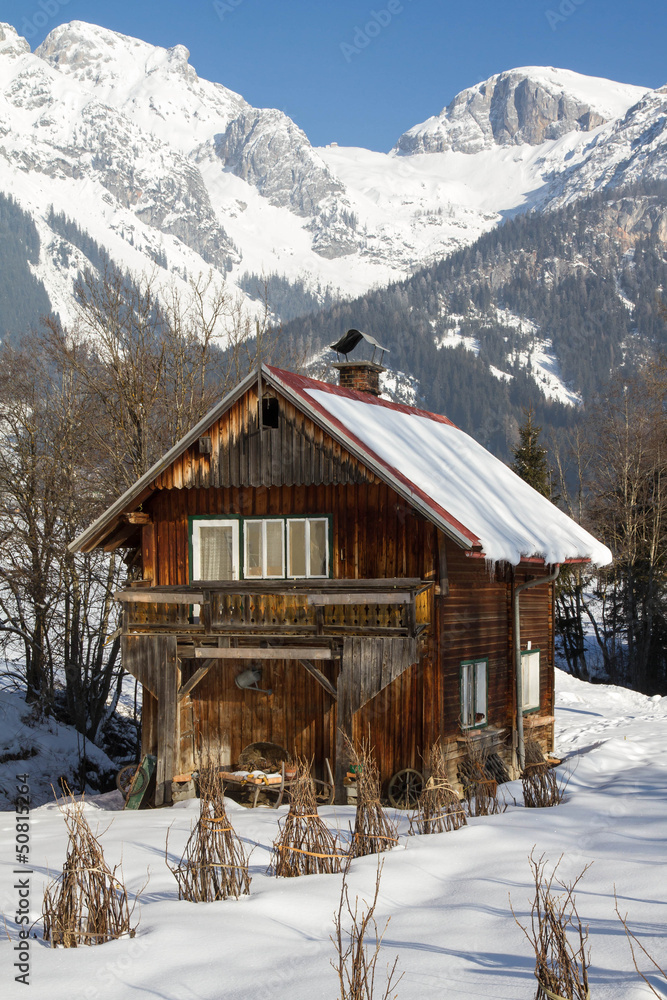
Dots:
pixel 136 517
pixel 168 717
pixel 264 653
pixel 151 597
pixel 198 675
pixel 320 678
pixel 322 600
pixel 303 586
pixel 442 560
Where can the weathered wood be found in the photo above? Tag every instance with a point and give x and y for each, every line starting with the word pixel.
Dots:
pixel 155 597
pixel 319 677
pixel 443 577
pixel 136 517
pixel 265 653
pixel 324 600
pixel 140 658
pixel 343 718
pixel 190 684
pixel 153 661
pixel 148 552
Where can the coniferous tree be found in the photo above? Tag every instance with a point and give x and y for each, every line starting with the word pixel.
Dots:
pixel 530 458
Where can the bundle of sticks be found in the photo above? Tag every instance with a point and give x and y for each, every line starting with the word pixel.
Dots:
pixel 305 845
pixel 439 809
pixel 87 903
pixel 214 864
pixel 373 831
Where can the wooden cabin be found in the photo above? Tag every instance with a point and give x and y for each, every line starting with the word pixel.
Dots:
pixel 368 560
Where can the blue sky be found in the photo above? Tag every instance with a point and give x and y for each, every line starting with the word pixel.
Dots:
pixel 361 73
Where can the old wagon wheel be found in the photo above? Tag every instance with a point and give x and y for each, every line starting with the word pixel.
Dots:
pixel 404 788
pixel 125 780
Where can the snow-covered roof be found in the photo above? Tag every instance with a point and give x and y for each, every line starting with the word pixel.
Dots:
pixel 443 472
pixel 474 496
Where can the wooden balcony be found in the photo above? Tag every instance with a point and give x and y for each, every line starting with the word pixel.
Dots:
pixel 396 607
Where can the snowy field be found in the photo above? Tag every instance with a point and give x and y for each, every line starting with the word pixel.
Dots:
pixel 447 895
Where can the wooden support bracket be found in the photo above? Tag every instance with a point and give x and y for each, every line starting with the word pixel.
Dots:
pixel 198 675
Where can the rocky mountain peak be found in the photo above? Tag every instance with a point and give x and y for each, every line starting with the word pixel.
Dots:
pixel 521 106
pixel 100 56
pixel 11 43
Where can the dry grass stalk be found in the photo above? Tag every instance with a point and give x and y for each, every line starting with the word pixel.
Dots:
pixel 632 941
pixel 373 832
pixel 480 793
pixel 439 809
pixel 305 846
pixel 88 903
pixel 541 787
pixel 557 936
pixel 356 962
pixel 214 864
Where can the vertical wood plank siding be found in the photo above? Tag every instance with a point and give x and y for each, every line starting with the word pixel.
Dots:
pixel 297 469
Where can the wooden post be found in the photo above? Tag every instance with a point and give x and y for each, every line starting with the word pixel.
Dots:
pixel 443 577
pixel 343 717
pixel 168 716
pixel 148 552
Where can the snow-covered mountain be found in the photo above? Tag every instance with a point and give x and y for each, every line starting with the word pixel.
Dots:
pixel 164 169
pixel 125 138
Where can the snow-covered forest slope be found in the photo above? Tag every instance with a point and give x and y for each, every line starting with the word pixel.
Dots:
pixel 165 169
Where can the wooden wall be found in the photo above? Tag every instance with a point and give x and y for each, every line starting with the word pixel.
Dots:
pixel 297 452
pixel 375 533
pixel 297 469
pixel 298 715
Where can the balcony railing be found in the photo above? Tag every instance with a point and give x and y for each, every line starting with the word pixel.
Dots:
pixel 281 607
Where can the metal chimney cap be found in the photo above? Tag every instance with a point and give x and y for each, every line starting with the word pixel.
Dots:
pixel 348 342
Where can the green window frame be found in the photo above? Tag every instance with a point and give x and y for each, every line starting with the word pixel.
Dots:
pixel 530 680
pixel 474 693
pixel 251 544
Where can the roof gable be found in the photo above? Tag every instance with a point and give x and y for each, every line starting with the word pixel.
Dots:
pixel 328 434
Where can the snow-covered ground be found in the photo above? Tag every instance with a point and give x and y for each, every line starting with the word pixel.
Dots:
pixel 447 895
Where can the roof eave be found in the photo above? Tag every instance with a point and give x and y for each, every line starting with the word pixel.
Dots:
pixel 100 529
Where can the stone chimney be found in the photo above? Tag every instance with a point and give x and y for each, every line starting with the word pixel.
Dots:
pixel 364 376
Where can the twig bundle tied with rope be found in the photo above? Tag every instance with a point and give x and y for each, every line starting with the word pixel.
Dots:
pixel 439 809
pixel 355 960
pixel 541 787
pixel 88 903
pixel 480 792
pixel 214 864
pixel 373 831
pixel 305 846
pixel 557 935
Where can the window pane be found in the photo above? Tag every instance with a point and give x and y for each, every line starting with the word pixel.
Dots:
pixel 480 693
pixel 466 694
pixel 274 548
pixel 216 553
pixel 297 548
pixel 253 548
pixel 318 548
pixel 530 669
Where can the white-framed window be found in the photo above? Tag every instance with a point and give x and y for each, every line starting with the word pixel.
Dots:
pixel 264 549
pixel 530 679
pixel 474 693
pixel 308 547
pixel 215 549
